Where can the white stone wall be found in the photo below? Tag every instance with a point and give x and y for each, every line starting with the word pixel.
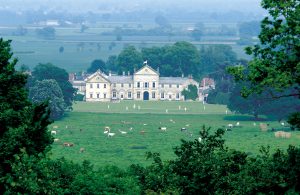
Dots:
pixel 98 91
pixel 122 91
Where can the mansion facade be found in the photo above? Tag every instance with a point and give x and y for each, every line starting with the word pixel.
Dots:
pixel 144 84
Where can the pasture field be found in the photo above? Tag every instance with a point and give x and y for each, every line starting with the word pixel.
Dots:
pixel 125 149
pixel 31 50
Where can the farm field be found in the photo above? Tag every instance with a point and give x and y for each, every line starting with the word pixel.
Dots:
pixel 125 149
pixel 31 50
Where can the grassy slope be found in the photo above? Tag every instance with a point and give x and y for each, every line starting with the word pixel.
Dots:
pixel 123 150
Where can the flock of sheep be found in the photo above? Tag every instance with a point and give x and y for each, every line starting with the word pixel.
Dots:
pixel 108 132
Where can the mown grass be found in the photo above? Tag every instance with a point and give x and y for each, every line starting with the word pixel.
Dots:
pixel 125 149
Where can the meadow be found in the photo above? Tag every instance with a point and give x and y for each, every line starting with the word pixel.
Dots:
pixel 31 50
pixel 84 127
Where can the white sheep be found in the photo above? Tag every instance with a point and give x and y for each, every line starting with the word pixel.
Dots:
pixel 53 132
pixel 56 140
pixel 111 134
pixel 122 132
pixel 237 124
pixel 163 128
pixel 230 125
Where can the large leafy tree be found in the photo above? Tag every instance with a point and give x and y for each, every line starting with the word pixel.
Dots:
pixel 276 60
pixel 129 59
pixel 23 127
pixel 191 93
pixel 48 90
pixel 49 71
pixel 96 65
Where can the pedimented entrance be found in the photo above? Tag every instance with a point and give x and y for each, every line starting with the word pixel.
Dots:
pixel 146 95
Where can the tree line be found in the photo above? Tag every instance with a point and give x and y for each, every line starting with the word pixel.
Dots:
pixel 181 58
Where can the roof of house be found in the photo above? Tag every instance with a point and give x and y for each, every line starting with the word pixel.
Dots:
pixel 120 79
pixel 173 80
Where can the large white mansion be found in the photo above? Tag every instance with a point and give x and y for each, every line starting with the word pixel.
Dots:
pixel 144 84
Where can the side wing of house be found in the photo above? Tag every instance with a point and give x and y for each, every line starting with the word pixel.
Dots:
pixel 98 87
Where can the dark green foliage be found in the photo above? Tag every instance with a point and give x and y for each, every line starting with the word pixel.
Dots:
pixel 48 90
pixel 22 125
pixel 206 166
pixel 78 97
pixel 97 65
pixel 35 176
pixel 262 104
pixel 214 56
pixel 191 93
pixel 217 97
pixel 276 60
pixel 294 120
pixel 129 59
pixel 49 71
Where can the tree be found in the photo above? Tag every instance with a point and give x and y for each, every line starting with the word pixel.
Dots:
pixel 197 33
pixel 46 32
pixel 23 126
pixel 249 29
pixel 214 56
pixel 162 21
pixel 207 166
pixel 96 65
pixel 183 58
pixel 49 71
pixel 129 59
pixel 61 49
pixel 48 90
pixel 276 60
pixel 83 28
pixel 191 93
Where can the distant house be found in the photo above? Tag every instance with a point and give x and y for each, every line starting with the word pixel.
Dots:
pixel 206 85
pixel 144 84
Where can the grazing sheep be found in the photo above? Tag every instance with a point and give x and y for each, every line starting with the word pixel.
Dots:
pixel 237 124
pixel 145 124
pixel 163 128
pixel 130 129
pixel 122 132
pixel 183 129
pixel 230 125
pixel 254 124
pixel 105 132
pixel 56 140
pixel 53 132
pixel 111 134
pixel 142 132
pixel 187 125
pixel 68 144
pixel 81 150
pixel 66 126
pixel 55 127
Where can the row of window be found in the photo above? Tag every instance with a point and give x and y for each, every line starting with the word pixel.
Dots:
pixel 97 85
pixel 138 85
pixel 138 95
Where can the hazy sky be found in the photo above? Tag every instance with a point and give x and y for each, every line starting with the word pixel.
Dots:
pixel 97 5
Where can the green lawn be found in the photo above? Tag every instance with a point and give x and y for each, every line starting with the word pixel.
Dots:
pixel 125 149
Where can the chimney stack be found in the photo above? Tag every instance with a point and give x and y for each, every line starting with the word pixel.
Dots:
pixel 128 73
pixel 109 73
pixel 182 75
pixel 123 73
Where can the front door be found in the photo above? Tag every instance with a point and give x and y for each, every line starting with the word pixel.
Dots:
pixel 146 95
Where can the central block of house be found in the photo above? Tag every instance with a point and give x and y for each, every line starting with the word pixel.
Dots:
pixel 144 84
